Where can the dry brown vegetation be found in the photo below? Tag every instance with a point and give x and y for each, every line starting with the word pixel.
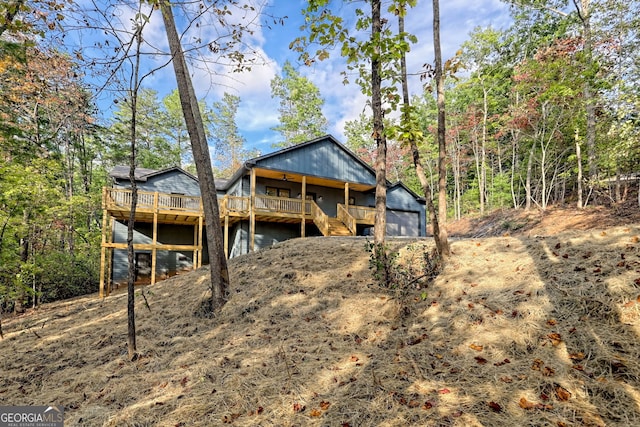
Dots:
pixel 537 328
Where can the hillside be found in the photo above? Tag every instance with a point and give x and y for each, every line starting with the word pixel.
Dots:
pixel 532 326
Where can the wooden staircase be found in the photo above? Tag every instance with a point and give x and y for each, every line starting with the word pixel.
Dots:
pixel 337 228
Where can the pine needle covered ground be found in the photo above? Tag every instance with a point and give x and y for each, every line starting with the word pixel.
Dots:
pixel 517 330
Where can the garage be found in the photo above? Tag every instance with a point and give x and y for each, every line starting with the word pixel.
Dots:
pixel 403 223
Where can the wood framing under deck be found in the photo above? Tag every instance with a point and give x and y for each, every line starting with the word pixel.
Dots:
pixel 161 208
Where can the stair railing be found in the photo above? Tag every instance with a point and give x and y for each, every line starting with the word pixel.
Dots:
pixel 347 219
pixel 320 218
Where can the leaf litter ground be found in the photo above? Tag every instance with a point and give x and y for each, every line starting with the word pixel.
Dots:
pixel 517 330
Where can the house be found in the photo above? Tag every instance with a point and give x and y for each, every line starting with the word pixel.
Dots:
pixel 317 188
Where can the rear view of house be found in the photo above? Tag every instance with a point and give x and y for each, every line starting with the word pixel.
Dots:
pixel 317 188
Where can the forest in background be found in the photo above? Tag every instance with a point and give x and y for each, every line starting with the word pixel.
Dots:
pixel 543 113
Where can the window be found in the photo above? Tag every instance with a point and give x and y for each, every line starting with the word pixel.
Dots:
pixel 352 200
pixel 279 192
pixel 272 191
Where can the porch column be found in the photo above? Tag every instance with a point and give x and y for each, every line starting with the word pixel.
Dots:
pixel 303 194
pixel 154 239
pixel 198 264
pixel 103 254
pixel 226 236
pixel 252 213
pixel 346 195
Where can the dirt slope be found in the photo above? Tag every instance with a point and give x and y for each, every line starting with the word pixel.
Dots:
pixel 529 329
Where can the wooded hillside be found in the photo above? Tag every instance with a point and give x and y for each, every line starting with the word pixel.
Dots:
pixel 521 329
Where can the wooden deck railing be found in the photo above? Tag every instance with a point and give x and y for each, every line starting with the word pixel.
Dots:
pixel 121 198
pixel 234 204
pixel 363 214
pixel 278 204
pixel 346 218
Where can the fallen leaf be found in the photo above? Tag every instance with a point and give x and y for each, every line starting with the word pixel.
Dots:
pixel 576 356
pixel 427 405
pixel 444 391
pixel 548 372
pixel 552 322
pixel 525 404
pixel 504 362
pixel 562 393
pixel 324 405
pixel 506 380
pixel 315 413
pixel 537 364
pixel 476 347
pixel 495 407
pixel 555 339
pixel 481 360
pixel 298 407
pixel 413 403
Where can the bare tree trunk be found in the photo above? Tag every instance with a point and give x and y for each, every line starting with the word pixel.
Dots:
pixel 441 247
pixel 528 191
pixel 584 12
pixel 442 145
pixel 579 160
pixel 131 276
pixel 217 258
pixel 380 228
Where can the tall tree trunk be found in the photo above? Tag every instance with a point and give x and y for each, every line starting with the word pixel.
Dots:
pixel 200 148
pixel 380 227
pixel 131 276
pixel 442 247
pixel 579 161
pixel 584 12
pixel 442 146
pixel 528 190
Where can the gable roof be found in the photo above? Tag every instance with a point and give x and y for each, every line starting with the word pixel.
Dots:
pixel 314 158
pixel 143 174
pixel 261 160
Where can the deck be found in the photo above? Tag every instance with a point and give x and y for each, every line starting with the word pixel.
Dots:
pixel 180 209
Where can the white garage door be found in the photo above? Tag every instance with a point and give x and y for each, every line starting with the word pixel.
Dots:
pixel 401 223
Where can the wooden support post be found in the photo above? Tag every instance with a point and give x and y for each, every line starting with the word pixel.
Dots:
pixel 194 252
pixel 199 264
pixel 346 195
pixel 303 194
pixel 252 212
pixel 226 235
pixel 103 249
pixel 108 278
pixel 154 239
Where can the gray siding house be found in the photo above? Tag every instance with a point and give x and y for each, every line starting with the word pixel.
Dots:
pixel 317 188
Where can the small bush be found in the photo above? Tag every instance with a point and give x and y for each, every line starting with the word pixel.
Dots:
pixel 406 275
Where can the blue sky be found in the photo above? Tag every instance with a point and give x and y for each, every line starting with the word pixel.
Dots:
pixel 258 111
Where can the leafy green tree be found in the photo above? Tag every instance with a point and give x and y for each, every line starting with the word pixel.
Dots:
pixel 301 117
pixel 154 149
pixel 373 51
pixel 230 151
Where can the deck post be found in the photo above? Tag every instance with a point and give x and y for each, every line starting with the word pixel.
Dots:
pixel 303 194
pixel 199 253
pixel 346 195
pixel 252 213
pixel 103 248
pixel 154 252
